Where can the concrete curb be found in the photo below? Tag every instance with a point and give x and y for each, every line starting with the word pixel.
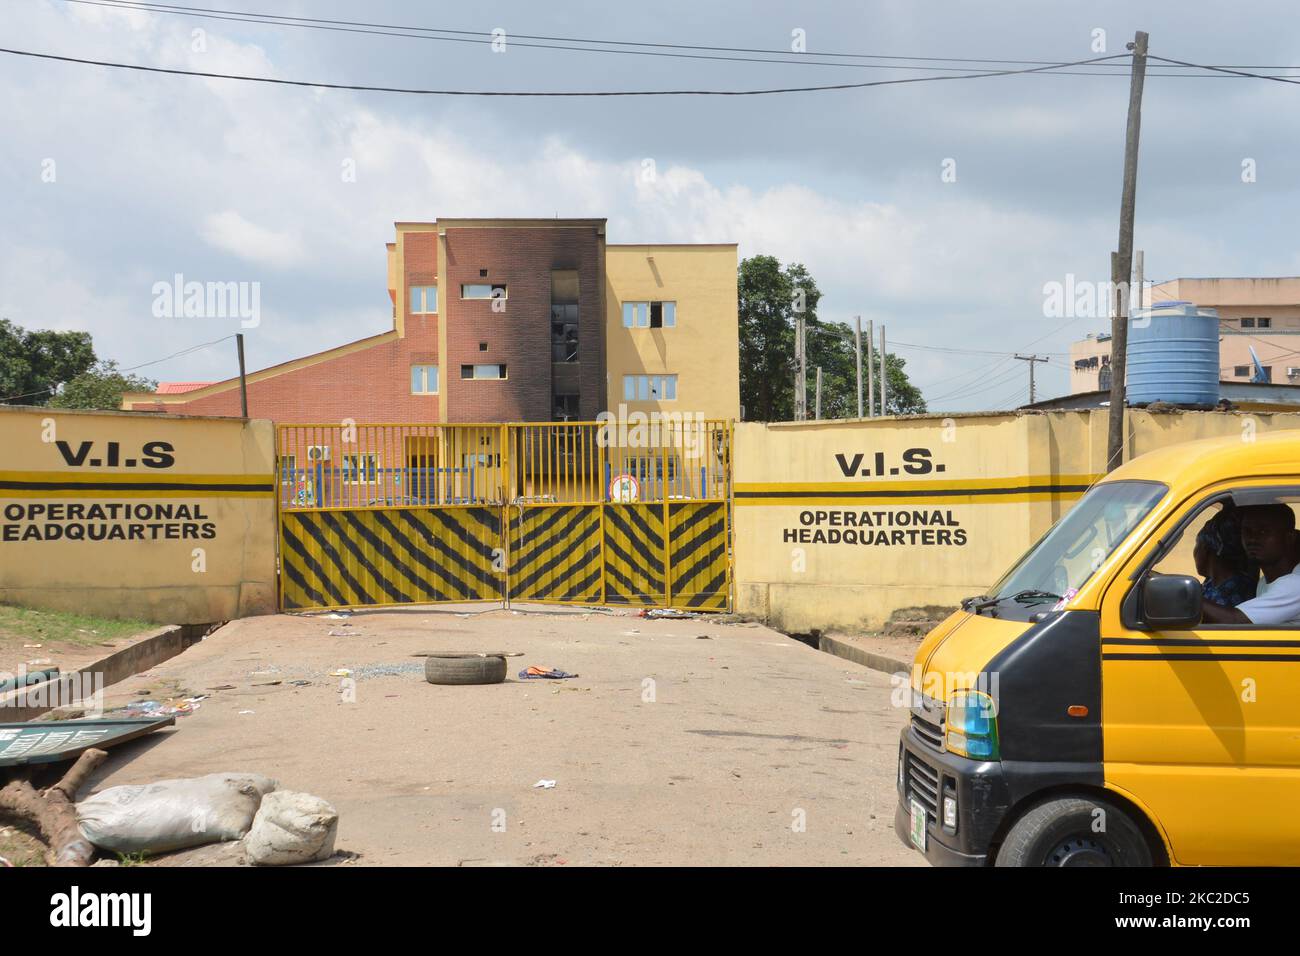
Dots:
pixel 161 645
pixel 877 662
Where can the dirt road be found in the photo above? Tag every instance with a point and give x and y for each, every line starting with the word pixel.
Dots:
pixel 681 742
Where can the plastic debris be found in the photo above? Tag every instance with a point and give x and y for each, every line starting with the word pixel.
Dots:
pixel 157 708
pixel 544 673
pixel 544 785
pixel 667 613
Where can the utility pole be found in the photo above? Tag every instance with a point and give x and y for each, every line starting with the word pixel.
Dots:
pixel 243 379
pixel 1031 359
pixel 1139 277
pixel 857 352
pixel 871 370
pixel 884 380
pixel 1122 262
pixel 817 413
pixel 800 393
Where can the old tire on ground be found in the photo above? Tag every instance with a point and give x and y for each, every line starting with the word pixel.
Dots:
pixel 1075 831
pixel 465 670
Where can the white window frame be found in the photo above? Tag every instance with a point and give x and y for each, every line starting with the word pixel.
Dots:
pixel 636 315
pixel 490 286
pixel 417 300
pixel 503 372
pixel 424 379
pixel 292 462
pixel 350 471
pixel 643 388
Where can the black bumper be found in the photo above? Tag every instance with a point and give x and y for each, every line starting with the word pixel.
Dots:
pixel 983 799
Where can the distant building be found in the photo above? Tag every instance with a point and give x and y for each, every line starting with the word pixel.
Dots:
pixel 513 320
pixel 1263 314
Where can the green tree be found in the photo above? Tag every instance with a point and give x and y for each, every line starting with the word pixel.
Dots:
pixel 100 386
pixel 34 364
pixel 766 318
pixel 770 299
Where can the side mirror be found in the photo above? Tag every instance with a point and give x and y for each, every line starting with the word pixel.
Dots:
pixel 1171 602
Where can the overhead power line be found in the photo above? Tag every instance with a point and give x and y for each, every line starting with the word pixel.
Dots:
pixel 165 358
pixel 540 93
pixel 594 45
pixel 1226 70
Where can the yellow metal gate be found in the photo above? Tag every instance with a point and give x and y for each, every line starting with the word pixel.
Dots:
pixel 625 512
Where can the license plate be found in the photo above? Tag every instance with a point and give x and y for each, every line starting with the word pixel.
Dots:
pixel 918 825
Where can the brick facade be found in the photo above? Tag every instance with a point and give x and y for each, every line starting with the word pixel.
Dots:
pixel 519 336
pixel 369 381
pixel 369 385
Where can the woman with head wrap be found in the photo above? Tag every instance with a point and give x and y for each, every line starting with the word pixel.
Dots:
pixel 1230 578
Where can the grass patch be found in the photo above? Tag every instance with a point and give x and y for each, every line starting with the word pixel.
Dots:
pixel 37 627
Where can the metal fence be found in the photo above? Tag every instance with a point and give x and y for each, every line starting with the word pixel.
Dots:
pixel 424 465
pixel 630 512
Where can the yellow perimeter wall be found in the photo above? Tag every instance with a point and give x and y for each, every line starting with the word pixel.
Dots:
pixel 211 559
pixel 993 483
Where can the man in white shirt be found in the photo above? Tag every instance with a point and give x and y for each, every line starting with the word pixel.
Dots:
pixel 1268 536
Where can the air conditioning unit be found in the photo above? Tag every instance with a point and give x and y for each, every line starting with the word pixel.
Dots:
pixel 318 452
pixel 1292 371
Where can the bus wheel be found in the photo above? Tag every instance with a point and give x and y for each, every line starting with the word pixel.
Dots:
pixel 1074 831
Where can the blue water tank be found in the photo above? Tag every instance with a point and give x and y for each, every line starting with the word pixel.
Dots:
pixel 1173 355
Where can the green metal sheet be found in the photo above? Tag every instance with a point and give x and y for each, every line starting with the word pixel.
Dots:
pixel 49 741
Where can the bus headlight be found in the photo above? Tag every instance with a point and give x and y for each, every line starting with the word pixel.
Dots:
pixel 972 725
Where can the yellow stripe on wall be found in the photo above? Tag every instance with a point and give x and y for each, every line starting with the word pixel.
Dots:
pixel 1014 490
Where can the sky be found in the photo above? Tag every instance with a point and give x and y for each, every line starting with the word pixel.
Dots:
pixel 941 209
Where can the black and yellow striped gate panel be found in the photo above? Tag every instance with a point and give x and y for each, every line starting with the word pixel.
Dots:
pixel 555 553
pixel 382 556
pixel 698 559
pixel 634 555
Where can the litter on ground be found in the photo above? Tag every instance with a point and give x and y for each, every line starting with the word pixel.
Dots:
pixel 544 673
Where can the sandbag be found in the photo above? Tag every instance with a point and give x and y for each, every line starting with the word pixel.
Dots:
pixel 291 827
pixel 173 814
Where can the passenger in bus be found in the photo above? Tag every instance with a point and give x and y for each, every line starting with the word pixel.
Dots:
pixel 1230 576
pixel 1268 537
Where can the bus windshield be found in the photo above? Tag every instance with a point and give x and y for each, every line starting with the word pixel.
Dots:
pixel 1077 545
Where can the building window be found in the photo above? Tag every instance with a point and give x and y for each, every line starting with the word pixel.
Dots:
pixel 361 469
pixel 1242 371
pixel 288 466
pixel 424 380
pixel 483 371
pixel 649 388
pixel 566 408
pixel 482 346
pixel 1247 323
pixel 649 315
pixel 423 300
pixel 1264 322
pixel 468 291
pixel 564 332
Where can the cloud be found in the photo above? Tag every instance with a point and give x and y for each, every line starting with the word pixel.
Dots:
pixel 224 180
pixel 232 233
